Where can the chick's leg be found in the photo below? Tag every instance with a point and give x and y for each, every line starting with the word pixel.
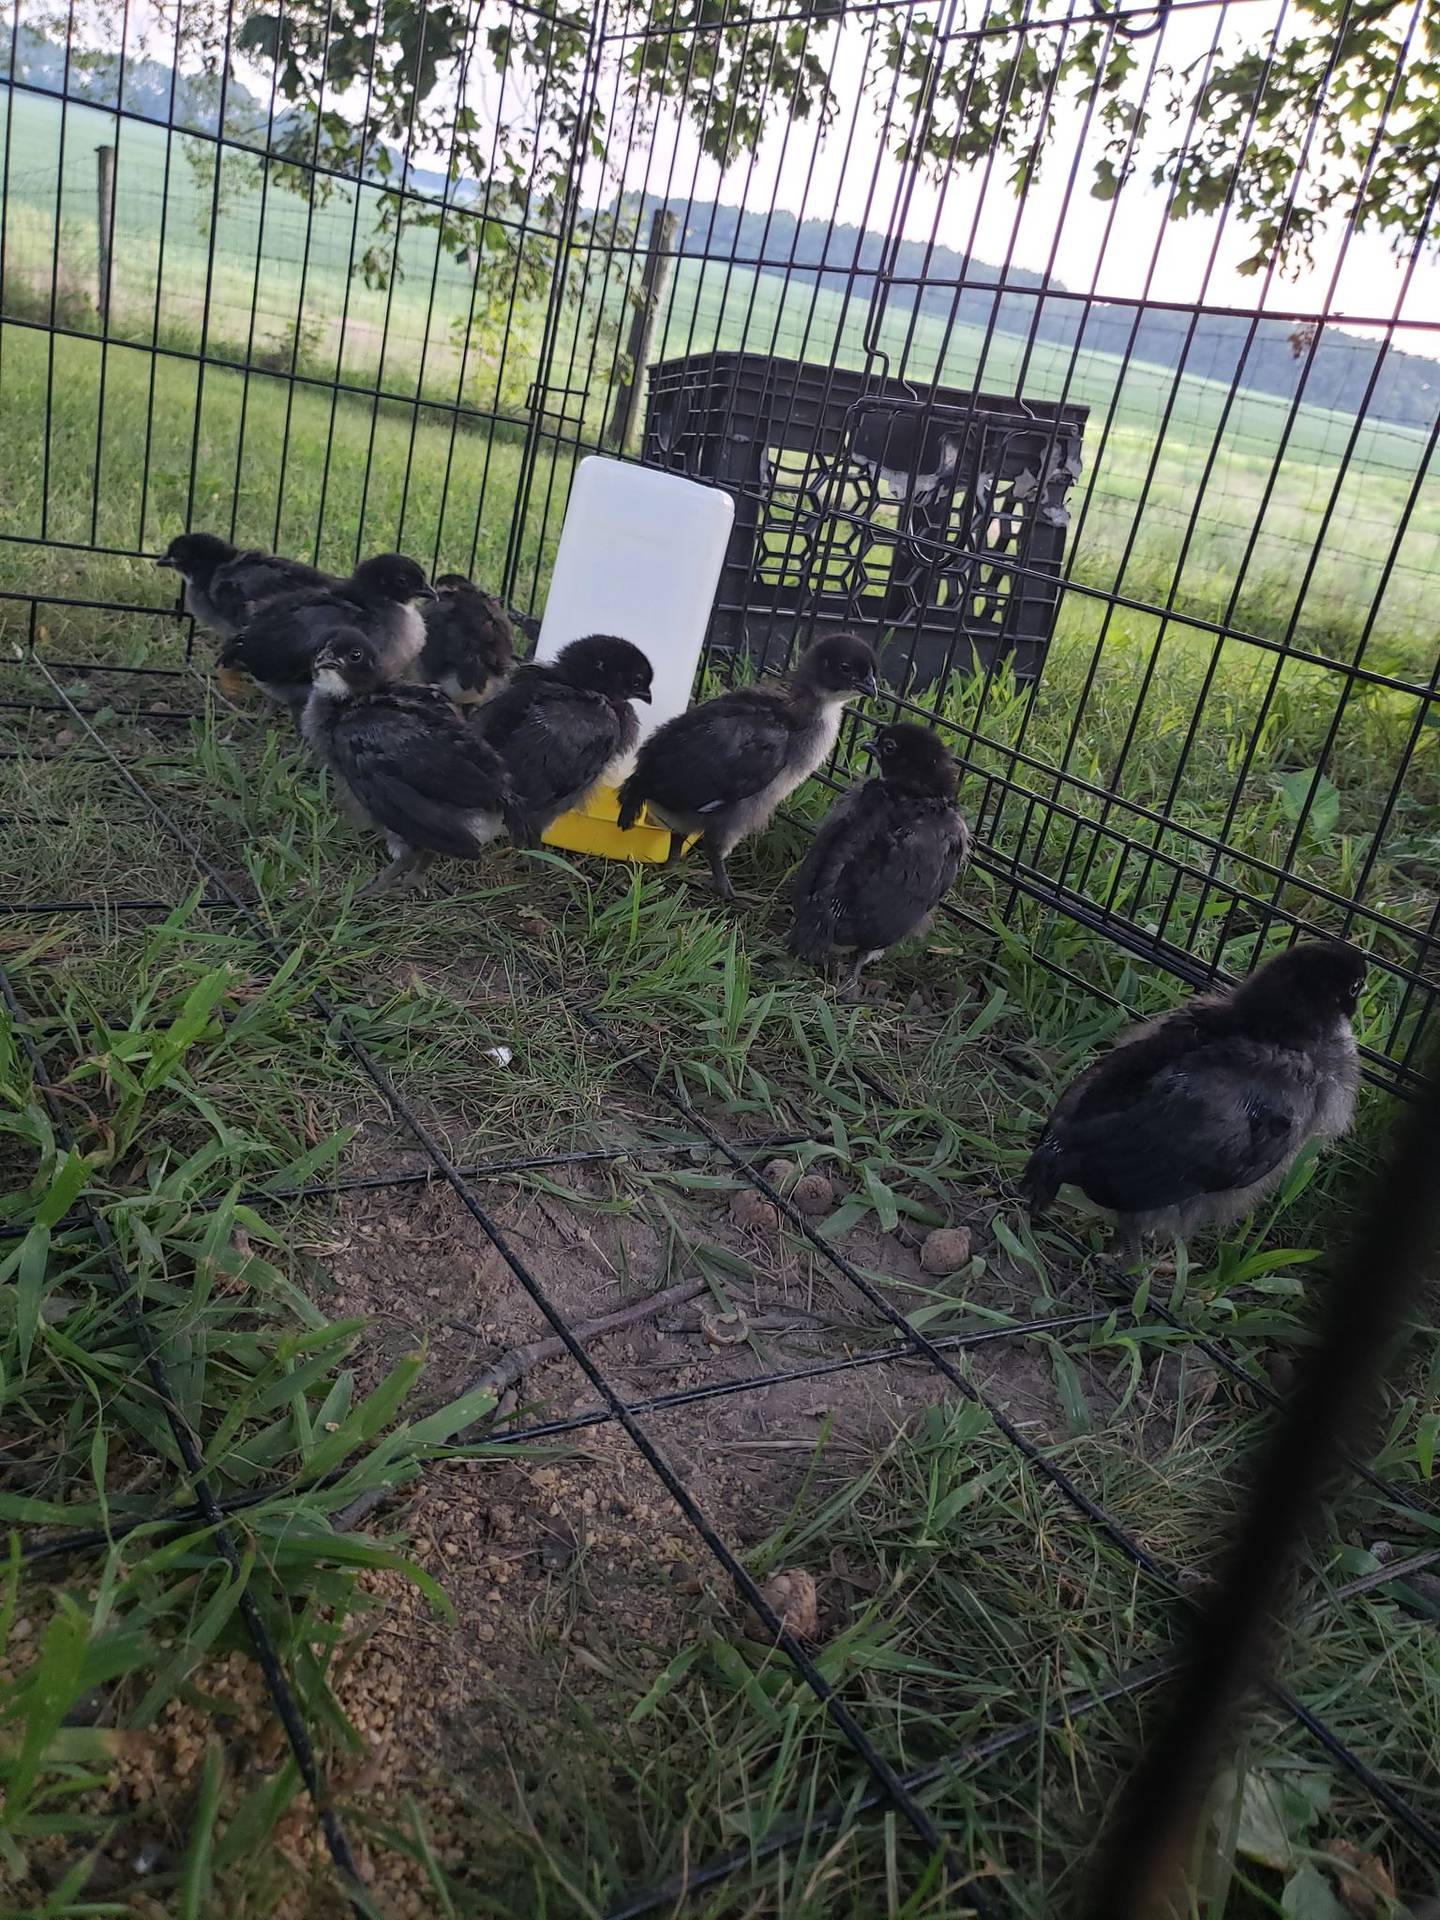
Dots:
pixel 1127 1242
pixel 848 986
pixel 405 871
pixel 718 873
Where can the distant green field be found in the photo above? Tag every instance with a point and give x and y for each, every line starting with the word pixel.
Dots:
pixel 1223 456
pixel 275 293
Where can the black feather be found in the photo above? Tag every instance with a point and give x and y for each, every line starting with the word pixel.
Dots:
pixel 715 755
pixel 1192 1117
pixel 224 587
pixel 469 644
pixel 278 645
pixel 416 771
pixel 878 867
pixel 559 726
pixel 246 583
pixel 723 767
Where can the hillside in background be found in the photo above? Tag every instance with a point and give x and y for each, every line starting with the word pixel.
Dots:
pixel 142 86
pixel 1265 354
pixel 1260 356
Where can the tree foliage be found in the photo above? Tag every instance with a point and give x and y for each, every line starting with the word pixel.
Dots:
pixel 1330 110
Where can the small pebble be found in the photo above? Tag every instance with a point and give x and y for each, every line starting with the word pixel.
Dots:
pixel 813 1194
pixel 945 1250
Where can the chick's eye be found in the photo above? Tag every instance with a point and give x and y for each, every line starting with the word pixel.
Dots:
pixel 355 656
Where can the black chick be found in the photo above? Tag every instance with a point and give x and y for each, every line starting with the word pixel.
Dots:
pixel 884 857
pixel 469 644
pixel 406 759
pixel 224 586
pixel 277 646
pixel 1195 1116
pixel 722 768
pixel 559 726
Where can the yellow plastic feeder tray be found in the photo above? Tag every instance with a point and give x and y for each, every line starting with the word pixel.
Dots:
pixel 640 555
pixel 594 827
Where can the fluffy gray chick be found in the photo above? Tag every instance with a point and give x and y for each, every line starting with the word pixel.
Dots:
pixel 1192 1118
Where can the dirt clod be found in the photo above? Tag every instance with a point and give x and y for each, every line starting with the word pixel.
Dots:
pixel 814 1193
pixel 558 1545
pixel 753 1213
pixel 780 1173
pixel 945 1250
pixel 793 1596
pixel 1361 1879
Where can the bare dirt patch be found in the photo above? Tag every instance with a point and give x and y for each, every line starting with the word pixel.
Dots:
pixel 574 1576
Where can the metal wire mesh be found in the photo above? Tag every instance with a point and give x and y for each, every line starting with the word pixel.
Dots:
pixel 330 345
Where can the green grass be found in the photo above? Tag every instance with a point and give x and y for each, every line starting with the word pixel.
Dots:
pixel 967 1599
pixel 970 1597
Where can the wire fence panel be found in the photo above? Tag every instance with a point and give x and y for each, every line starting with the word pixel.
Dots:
pixel 397 316
pixel 1087 359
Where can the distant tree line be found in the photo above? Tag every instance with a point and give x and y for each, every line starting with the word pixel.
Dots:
pixel 1269 355
pixel 1266 356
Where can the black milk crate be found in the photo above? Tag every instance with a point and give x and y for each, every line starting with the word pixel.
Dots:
pixel 935 524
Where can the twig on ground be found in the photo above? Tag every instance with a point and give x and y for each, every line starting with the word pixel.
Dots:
pixel 512 1367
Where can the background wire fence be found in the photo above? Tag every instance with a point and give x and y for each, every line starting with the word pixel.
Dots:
pixel 1234 733
pixel 333 362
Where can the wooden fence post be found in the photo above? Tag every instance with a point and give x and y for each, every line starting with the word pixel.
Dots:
pixel 630 388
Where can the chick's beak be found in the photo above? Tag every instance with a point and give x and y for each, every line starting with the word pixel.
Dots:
pixel 870 685
pixel 164 560
pixel 427 592
pixel 870 750
pixel 642 693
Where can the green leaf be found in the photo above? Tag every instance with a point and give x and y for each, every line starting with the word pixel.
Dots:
pixel 256 1815
pixel 665 1683
pixel 436 1428
pixel 1308 1896
pixel 848 1214
pixel 883 1201
pixel 1072 1394
pixel 1324 808
pixel 32 1265
pixel 196 1884
pixel 66 1184
pixel 1425 1435
pixel 1016 1247
pixel 199 1636
pixel 1276 1811
pixel 375 1411
pixel 54 1684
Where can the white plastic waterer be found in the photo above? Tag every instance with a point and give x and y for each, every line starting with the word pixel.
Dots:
pixel 640 556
